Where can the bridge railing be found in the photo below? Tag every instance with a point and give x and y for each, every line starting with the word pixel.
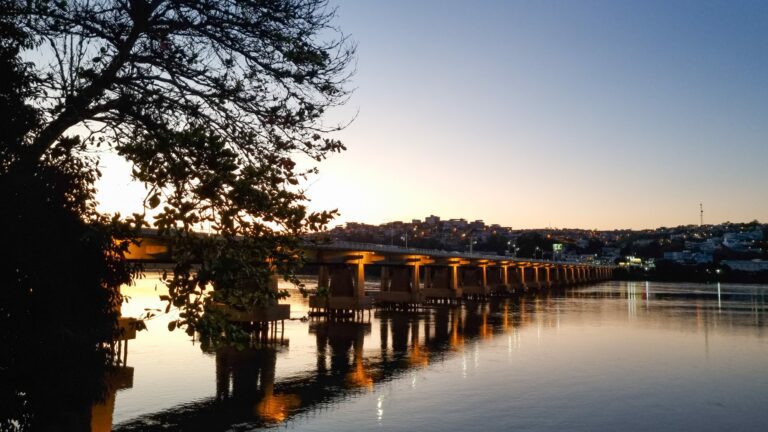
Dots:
pixel 375 247
pixel 440 253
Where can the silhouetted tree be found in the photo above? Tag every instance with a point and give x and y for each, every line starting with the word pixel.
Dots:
pixel 60 275
pixel 211 102
pixel 529 241
pixel 495 243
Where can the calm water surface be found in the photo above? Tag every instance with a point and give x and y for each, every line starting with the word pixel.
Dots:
pixel 614 356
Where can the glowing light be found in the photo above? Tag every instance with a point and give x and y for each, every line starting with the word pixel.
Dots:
pixel 275 408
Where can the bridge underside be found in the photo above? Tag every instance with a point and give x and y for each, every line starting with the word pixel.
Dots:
pixel 408 277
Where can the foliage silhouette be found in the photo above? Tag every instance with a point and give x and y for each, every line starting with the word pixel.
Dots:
pixel 212 102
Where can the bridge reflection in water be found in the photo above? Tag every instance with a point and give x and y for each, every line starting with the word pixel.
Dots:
pixel 349 361
pixel 352 358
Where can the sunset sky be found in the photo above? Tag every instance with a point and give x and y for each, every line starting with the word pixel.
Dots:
pixel 590 114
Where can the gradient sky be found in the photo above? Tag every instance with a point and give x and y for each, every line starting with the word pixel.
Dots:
pixel 590 114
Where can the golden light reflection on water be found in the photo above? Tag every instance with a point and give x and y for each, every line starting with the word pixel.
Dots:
pixel 275 408
pixel 335 357
pixel 457 337
pixel 360 377
pixel 419 355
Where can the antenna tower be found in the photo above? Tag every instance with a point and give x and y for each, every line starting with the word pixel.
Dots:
pixel 701 214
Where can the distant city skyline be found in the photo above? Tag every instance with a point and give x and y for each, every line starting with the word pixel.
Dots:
pixel 593 114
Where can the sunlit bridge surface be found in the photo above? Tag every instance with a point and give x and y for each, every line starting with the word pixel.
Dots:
pixel 626 356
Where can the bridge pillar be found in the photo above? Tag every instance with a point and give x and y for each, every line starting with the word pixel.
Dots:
pixel 323 280
pixel 441 283
pixel 415 279
pixel 498 281
pixel 384 279
pixel 523 281
pixel 536 281
pixel 473 280
pixel 548 276
pixel 359 279
pixel 399 285
pixel 345 292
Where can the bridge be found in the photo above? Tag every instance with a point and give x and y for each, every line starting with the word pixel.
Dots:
pixel 407 277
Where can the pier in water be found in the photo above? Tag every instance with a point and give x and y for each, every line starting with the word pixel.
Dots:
pixel 611 356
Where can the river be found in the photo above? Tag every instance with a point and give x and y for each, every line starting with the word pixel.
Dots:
pixel 629 356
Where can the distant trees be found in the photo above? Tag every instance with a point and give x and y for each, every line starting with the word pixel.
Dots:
pixel 495 243
pixel 533 245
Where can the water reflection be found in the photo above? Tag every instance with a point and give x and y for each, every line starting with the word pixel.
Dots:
pixel 118 378
pixel 245 383
pixel 715 305
pixel 60 371
pixel 342 337
pixel 328 364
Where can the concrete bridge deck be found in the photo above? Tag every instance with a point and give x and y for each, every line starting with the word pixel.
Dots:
pixel 410 276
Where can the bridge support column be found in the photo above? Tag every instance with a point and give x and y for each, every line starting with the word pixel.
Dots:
pixel 323 280
pixel 399 286
pixel 441 283
pixel 415 279
pixel 345 293
pixel 384 279
pixel 484 272
pixel 359 280
pixel 523 281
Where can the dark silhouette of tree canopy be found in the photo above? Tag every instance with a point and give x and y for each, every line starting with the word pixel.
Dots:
pixel 211 102
pixel 529 241
pixel 56 320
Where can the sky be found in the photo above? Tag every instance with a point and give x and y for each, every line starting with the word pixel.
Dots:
pixel 531 114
